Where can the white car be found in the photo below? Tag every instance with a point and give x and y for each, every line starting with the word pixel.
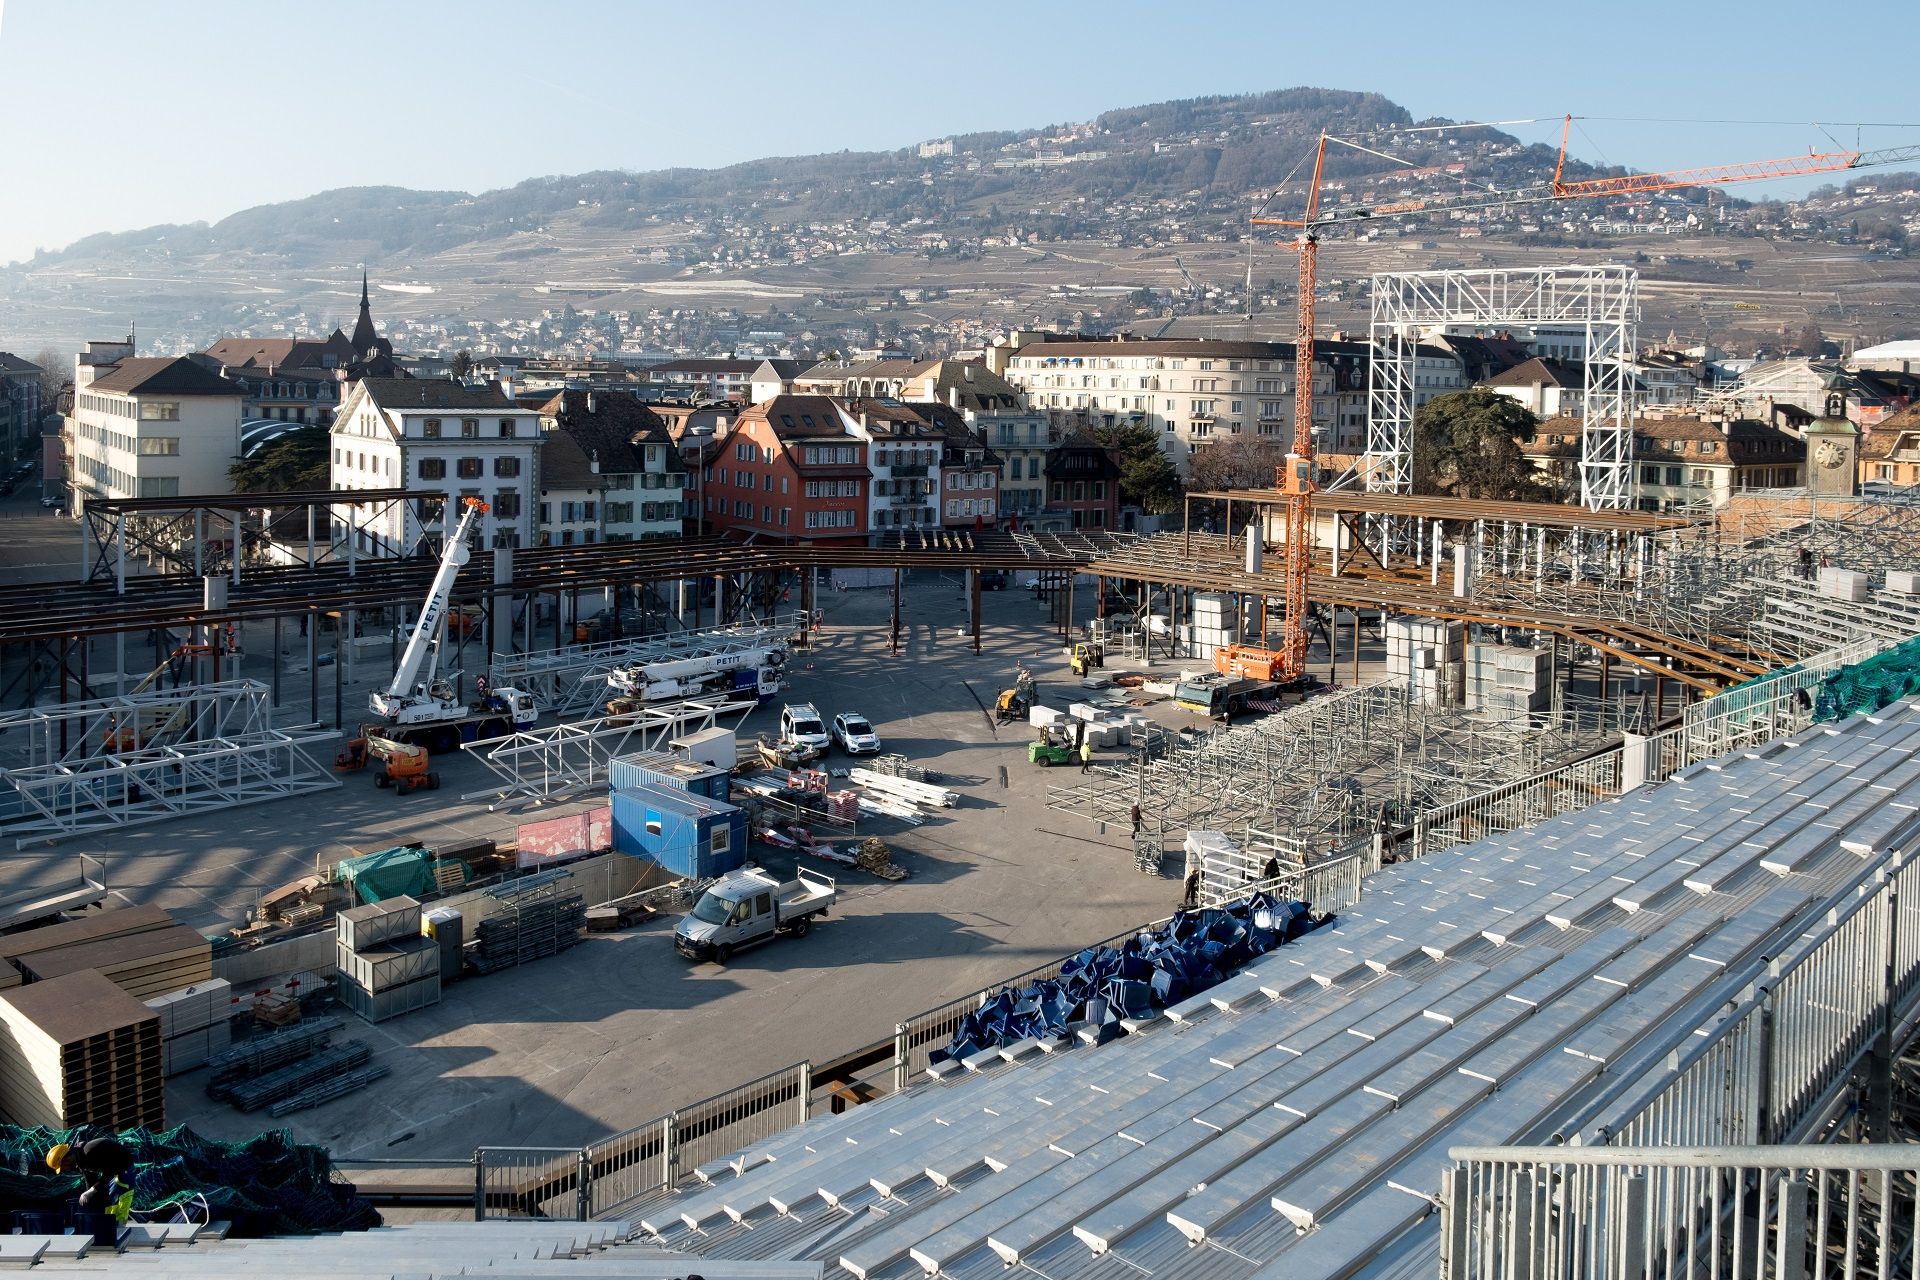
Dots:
pixel 855 736
pixel 800 724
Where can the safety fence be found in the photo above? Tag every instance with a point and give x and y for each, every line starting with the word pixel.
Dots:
pixel 646 1160
pixel 1788 1212
pixel 1331 884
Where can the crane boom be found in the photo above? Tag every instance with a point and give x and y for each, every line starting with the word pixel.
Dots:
pixel 1295 476
pixel 409 680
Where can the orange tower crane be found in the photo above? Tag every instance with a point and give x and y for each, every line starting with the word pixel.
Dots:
pixel 1295 476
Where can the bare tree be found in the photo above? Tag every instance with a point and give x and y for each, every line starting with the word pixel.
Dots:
pixel 1236 462
pixel 56 370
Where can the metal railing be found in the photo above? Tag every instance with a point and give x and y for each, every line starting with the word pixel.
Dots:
pixel 1517 1213
pixel 646 1160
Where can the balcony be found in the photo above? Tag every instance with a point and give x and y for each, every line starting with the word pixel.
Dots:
pixel 908 473
pixel 911 500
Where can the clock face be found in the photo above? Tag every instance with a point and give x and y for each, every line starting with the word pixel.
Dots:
pixel 1829 455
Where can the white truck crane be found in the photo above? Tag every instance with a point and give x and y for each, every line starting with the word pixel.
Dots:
pixel 754 672
pixel 421 710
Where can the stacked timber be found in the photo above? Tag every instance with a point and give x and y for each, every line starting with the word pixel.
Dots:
pixel 146 964
pixel 95 926
pixel 77 1049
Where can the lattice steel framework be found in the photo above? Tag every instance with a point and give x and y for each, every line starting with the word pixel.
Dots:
pixel 121 762
pixel 1603 301
pixel 572 678
pixel 562 759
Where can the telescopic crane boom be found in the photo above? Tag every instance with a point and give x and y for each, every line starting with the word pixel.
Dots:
pixel 411 696
pixel 1295 478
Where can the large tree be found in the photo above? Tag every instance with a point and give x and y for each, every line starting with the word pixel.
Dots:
pixel 1467 445
pixel 1148 478
pixel 296 461
pixel 461 365
pixel 56 371
pixel 1236 462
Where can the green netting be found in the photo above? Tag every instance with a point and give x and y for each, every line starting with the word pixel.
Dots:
pixel 1870 685
pixel 269 1185
pixel 375 877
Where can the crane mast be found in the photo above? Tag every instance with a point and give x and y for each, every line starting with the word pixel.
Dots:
pixel 411 695
pixel 1295 476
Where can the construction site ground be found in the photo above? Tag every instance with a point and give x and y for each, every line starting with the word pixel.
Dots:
pixel 620 1029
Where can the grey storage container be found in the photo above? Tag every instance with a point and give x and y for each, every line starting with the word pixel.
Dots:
pixel 378 1006
pixel 358 928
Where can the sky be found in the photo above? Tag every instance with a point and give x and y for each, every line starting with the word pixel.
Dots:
pixel 120 114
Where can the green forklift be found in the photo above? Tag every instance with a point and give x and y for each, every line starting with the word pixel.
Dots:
pixel 1053 746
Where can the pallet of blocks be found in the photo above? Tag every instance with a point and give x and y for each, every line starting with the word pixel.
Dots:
pixel 77 1050
pixel 385 965
pixel 195 1024
pixel 119 922
pixel 534 919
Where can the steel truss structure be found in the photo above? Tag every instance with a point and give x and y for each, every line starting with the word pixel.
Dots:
pixel 1603 301
pixel 1318 776
pixel 564 759
pixel 172 535
pixel 119 762
pixel 571 679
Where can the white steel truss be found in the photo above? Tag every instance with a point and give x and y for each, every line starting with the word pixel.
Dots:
pixel 1603 301
pixel 574 677
pixel 561 759
pixel 121 762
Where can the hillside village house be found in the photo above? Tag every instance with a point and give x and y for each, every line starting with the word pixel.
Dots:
pixel 148 427
pixel 465 441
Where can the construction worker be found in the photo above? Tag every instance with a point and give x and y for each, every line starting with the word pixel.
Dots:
pixel 102 1162
pixel 1134 813
pixel 1191 893
pixel 1086 756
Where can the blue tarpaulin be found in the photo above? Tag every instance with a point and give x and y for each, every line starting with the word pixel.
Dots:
pixel 1151 970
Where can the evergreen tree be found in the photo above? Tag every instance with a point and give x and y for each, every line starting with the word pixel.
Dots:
pixel 1148 479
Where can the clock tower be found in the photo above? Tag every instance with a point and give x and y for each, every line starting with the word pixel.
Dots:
pixel 1833 445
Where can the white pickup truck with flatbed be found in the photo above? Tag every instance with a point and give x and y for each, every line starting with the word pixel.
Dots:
pixel 748 907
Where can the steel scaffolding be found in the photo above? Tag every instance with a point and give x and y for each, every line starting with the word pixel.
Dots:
pixel 120 762
pixel 1602 301
pixel 1317 776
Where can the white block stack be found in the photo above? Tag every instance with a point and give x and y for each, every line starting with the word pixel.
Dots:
pixel 1431 654
pixel 1844 584
pixel 1509 682
pixel 1904 581
pixel 194 1024
pixel 1214 625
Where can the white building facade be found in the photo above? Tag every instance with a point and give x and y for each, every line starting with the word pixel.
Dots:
pixel 466 442
pixel 148 427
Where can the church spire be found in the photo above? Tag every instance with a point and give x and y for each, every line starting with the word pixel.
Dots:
pixel 365 340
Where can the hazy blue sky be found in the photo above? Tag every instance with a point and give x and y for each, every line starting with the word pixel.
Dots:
pixel 117 114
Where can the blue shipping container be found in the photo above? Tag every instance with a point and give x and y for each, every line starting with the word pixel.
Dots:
pixel 663 769
pixel 689 835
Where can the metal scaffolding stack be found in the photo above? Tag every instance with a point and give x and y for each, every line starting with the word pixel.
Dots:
pixel 1324 773
pixel 118 762
pixel 534 919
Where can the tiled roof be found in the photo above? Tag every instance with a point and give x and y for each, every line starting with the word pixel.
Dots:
pixel 799 417
pixel 564 464
pixel 162 375
pixel 399 394
pixel 616 424
pixel 11 363
pixel 1537 372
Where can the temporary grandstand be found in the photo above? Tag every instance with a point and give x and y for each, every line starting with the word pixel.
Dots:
pixel 1705 961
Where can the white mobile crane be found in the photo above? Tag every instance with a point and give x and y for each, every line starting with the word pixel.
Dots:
pixel 418 708
pixel 753 672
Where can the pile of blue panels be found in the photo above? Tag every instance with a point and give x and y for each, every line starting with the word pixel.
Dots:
pixel 1151 970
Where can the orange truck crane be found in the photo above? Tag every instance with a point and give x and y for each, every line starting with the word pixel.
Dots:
pixel 1294 477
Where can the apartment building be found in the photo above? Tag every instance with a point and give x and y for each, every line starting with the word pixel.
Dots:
pixel 965 385
pixel 1023 440
pixel 148 427
pixel 904 461
pixel 1682 460
pixel 791 467
pixel 749 381
pixel 1189 389
pixel 1083 486
pixel 572 494
pixel 627 446
pixel 1889 454
pixel 969 471
pixel 464 441
pixel 20 390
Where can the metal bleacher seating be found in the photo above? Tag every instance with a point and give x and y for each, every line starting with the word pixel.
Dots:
pixel 1295 1119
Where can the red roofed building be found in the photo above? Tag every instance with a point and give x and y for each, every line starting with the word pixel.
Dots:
pixel 792 469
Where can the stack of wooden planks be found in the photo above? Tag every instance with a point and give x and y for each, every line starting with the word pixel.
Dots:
pixel 76 1049
pixel 140 948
